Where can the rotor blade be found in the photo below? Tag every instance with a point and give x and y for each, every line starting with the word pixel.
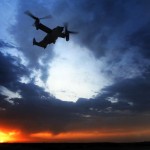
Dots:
pixel 68 31
pixel 30 14
pixel 73 32
pixel 46 17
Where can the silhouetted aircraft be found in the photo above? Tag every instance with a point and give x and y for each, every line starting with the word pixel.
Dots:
pixel 52 34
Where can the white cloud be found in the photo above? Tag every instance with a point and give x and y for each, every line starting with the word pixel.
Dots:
pixel 10 94
pixel 74 72
pixel 24 79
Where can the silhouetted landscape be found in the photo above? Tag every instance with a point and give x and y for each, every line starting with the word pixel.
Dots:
pixel 78 146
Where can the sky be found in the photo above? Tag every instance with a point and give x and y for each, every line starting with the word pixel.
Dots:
pixel 93 88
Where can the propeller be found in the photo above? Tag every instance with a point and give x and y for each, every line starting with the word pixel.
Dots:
pixel 68 32
pixel 31 15
pixel 36 18
pixel 46 17
pixel 28 13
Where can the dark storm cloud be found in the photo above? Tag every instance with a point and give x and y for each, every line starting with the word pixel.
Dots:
pixel 141 40
pixel 41 112
pixel 10 70
pixel 132 94
pixel 3 103
pixel 96 21
pixel 103 24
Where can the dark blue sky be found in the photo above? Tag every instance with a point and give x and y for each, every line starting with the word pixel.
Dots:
pixel 99 81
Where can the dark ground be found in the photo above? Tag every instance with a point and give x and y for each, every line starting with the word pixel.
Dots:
pixel 76 146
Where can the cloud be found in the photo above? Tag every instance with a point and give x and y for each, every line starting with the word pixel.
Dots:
pixel 110 29
pixel 96 21
pixel 119 106
pixel 140 39
pixel 10 70
pixel 37 110
pixel 5 44
pixel 130 94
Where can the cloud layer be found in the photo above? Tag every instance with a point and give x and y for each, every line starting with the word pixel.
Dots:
pixel 117 33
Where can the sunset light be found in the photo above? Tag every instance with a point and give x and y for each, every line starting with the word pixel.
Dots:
pixel 10 136
pixel 85 136
pixel 44 135
pixel 15 136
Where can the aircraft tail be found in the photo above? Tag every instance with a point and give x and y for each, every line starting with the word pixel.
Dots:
pixel 41 44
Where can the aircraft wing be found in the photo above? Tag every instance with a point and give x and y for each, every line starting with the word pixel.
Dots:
pixel 44 28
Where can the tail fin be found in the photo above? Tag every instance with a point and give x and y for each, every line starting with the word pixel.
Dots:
pixel 41 44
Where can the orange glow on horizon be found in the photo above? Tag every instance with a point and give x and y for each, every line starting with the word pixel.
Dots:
pixel 8 136
pixel 12 136
pixel 44 135
pixel 87 136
